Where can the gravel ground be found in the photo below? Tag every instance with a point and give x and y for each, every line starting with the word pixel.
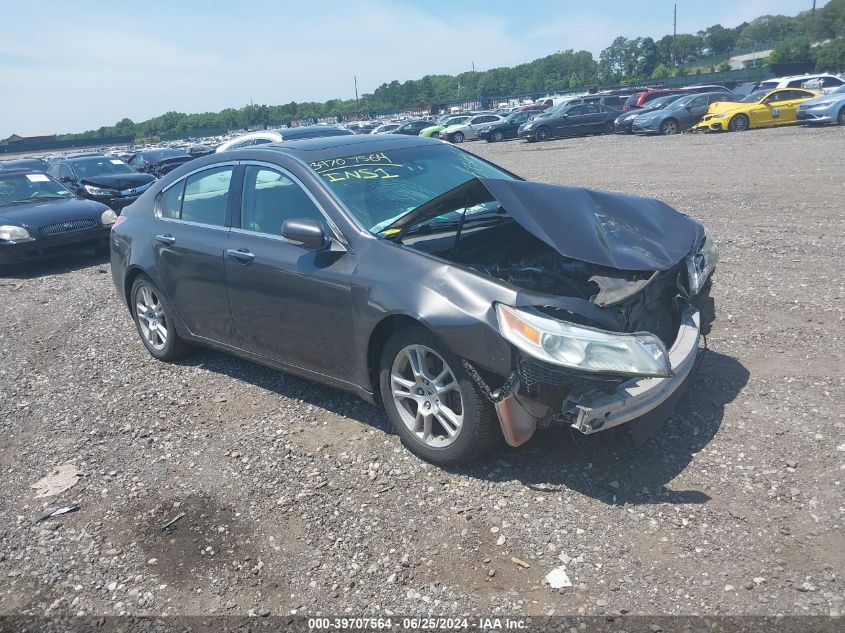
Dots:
pixel 298 498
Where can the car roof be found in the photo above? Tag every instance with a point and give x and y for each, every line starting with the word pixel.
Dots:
pixel 83 155
pixel 326 146
pixel 20 171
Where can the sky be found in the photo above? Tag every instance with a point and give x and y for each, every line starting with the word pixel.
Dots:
pixel 70 67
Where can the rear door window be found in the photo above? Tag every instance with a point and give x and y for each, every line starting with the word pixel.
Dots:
pixel 170 202
pixel 206 196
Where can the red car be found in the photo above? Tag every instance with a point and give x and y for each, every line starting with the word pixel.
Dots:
pixel 639 99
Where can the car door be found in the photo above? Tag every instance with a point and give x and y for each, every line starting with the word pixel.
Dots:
pixel 480 121
pixel 290 304
pixel 571 124
pixel 594 118
pixel 692 112
pixel 191 228
pixel 768 111
pixel 512 128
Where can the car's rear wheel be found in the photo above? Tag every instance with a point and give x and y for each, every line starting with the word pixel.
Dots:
pixel 434 406
pixel 608 128
pixel 739 123
pixel 497 137
pixel 841 118
pixel 543 133
pixel 669 127
pixel 152 315
pixel 457 137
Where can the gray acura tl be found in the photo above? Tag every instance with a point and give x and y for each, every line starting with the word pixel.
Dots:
pixel 473 305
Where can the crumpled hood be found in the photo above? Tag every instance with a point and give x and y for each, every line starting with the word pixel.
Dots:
pixel 725 106
pixel 119 182
pixel 599 227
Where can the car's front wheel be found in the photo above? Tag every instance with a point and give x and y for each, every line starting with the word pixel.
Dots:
pixel 739 123
pixel 543 133
pixel 841 118
pixel 669 127
pixel 457 137
pixel 497 137
pixel 434 406
pixel 152 315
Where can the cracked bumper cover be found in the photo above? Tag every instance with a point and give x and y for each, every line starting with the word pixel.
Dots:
pixel 634 398
pixel 638 396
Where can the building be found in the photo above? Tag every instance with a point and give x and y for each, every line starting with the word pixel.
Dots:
pixel 29 138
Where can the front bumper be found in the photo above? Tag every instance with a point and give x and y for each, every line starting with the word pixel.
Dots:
pixel 638 396
pixel 826 115
pixel 588 409
pixel 645 128
pixel 712 125
pixel 53 246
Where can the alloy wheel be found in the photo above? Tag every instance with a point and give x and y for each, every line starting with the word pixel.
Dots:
pixel 498 137
pixel 151 317
pixel 739 123
pixel 670 127
pixel 426 395
pixel 543 133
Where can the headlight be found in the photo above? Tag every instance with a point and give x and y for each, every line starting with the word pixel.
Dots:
pixel 96 191
pixel 108 217
pixel 720 116
pixel 528 126
pixel 700 265
pixel 583 348
pixel 823 104
pixel 10 232
pixel 630 117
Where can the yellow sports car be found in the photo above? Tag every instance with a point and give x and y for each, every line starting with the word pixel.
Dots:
pixel 763 108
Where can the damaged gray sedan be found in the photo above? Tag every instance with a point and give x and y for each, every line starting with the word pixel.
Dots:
pixel 472 304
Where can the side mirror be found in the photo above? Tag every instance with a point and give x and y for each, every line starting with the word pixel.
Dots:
pixel 67 179
pixel 304 232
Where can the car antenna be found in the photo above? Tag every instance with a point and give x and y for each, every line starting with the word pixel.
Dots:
pixel 460 228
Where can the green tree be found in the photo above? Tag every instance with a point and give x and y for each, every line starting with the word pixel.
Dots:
pixel 792 49
pixel 831 56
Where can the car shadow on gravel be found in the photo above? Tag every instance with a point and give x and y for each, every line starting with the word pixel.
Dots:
pixel 612 467
pixel 53 266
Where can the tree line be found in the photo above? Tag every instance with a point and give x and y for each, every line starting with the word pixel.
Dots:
pixel 817 37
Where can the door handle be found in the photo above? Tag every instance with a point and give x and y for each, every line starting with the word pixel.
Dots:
pixel 243 255
pixel 167 240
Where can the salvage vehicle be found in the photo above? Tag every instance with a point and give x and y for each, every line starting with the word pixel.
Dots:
pixel 829 108
pixel 763 108
pixel 508 128
pixel 102 178
pixel 159 161
pixel 678 116
pixel 39 217
pixel 623 123
pixel 434 130
pixel 468 130
pixel 640 99
pixel 822 82
pixel 35 164
pixel 412 128
pixel 569 120
pixel 472 304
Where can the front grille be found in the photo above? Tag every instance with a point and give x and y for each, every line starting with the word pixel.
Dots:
pixel 67 227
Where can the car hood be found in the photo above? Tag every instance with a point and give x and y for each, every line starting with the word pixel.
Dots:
pixel 35 214
pixel 119 181
pixel 838 96
pixel 607 229
pixel 725 106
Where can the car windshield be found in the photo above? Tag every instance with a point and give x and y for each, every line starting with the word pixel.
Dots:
pixel 22 188
pixel 664 102
pixel 679 104
pixel 99 166
pixel 632 100
pixel 755 96
pixel 380 188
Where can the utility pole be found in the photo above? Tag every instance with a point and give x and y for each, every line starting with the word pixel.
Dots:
pixel 473 66
pixel 674 32
pixel 355 79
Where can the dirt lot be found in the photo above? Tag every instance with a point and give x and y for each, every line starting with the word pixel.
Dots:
pixel 298 498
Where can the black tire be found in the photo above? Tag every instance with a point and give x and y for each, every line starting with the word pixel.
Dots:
pixel 480 432
pixel 840 119
pixel 543 133
pixel 608 128
pixel 669 127
pixel 497 137
pixel 738 123
pixel 457 137
pixel 175 347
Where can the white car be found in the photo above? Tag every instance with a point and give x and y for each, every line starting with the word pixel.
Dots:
pixel 386 128
pixel 468 130
pixel 822 82
pixel 250 139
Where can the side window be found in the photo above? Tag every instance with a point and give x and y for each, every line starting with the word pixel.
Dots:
pixel 591 108
pixel 262 141
pixel 698 102
pixel 717 98
pixel 170 202
pixel 65 172
pixel 206 196
pixel 270 198
pixel 53 170
pixel 576 110
pixel 831 82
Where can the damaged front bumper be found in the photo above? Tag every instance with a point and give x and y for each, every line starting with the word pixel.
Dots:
pixel 589 411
